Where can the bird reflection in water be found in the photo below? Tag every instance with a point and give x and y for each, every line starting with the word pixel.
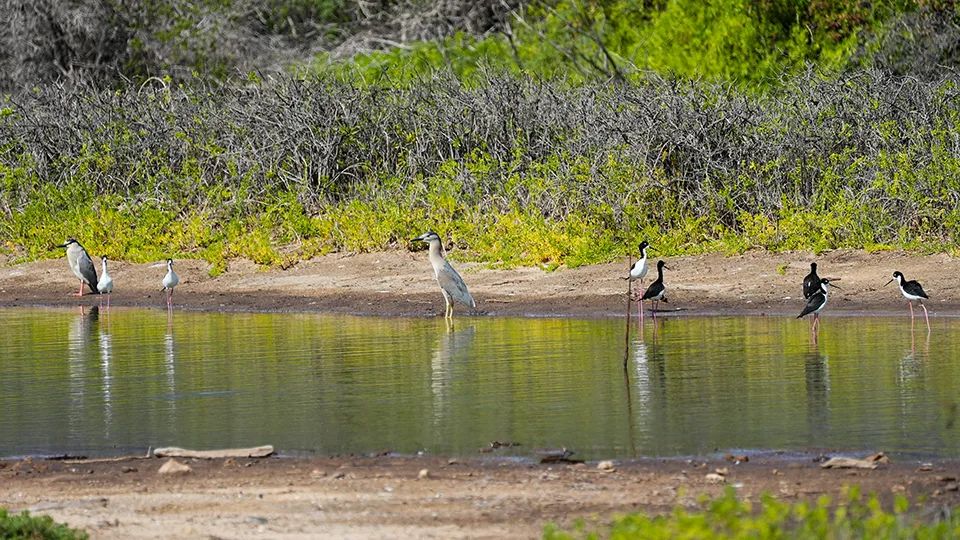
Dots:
pixel 453 348
pixel 651 383
pixel 170 368
pixel 816 371
pixel 79 335
pixel 106 357
pixel 911 365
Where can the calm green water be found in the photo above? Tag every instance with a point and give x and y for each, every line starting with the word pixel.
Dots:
pixel 308 383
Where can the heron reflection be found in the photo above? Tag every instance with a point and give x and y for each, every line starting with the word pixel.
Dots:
pixel 79 335
pixel 453 347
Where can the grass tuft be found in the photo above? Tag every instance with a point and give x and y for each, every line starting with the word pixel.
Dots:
pixel 23 526
pixel 730 517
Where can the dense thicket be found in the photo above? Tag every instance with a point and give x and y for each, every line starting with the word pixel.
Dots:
pixel 527 130
pixel 864 159
pixel 115 42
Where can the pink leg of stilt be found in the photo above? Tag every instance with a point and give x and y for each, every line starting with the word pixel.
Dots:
pixel 101 301
pixel 925 316
pixel 108 301
pixel 639 301
pixel 911 314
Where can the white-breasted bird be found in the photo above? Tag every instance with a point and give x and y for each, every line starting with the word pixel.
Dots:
pixel 912 290
pixel 105 285
pixel 639 271
pixel 169 282
pixel 451 284
pixel 81 264
pixel 817 301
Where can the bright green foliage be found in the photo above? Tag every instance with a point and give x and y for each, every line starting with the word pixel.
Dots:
pixel 23 526
pixel 729 517
pixel 746 41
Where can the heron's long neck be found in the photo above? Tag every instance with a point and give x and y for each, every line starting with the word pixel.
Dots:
pixel 436 256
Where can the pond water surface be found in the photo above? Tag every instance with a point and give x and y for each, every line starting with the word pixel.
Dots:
pixel 88 383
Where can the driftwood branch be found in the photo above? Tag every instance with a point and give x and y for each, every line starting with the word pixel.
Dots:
pixel 173 451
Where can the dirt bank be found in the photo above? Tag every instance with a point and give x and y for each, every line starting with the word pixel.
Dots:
pixel 400 283
pixel 382 497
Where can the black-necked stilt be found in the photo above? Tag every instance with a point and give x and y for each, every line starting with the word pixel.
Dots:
pixel 811 283
pixel 639 271
pixel 912 291
pixel 818 301
pixel 81 264
pixel 105 285
pixel 656 290
pixel 169 282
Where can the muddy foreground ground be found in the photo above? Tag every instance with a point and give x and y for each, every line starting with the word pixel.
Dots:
pixel 483 497
pixel 386 497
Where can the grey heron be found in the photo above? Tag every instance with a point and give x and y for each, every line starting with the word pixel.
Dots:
pixel 451 284
pixel 105 285
pixel 81 264
pixel 169 282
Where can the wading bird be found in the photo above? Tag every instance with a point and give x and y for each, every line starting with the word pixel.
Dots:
pixel 639 271
pixel 656 291
pixel 105 285
pixel 811 283
pixel 451 284
pixel 81 264
pixel 911 290
pixel 818 301
pixel 169 282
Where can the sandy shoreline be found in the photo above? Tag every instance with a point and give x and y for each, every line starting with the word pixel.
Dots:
pixel 389 497
pixel 399 283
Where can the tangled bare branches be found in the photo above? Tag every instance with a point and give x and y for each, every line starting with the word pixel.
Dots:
pixel 714 150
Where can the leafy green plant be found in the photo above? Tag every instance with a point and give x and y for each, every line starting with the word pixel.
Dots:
pixel 730 517
pixel 23 526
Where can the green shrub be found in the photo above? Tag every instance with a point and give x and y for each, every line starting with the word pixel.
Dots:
pixel 23 526
pixel 730 517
